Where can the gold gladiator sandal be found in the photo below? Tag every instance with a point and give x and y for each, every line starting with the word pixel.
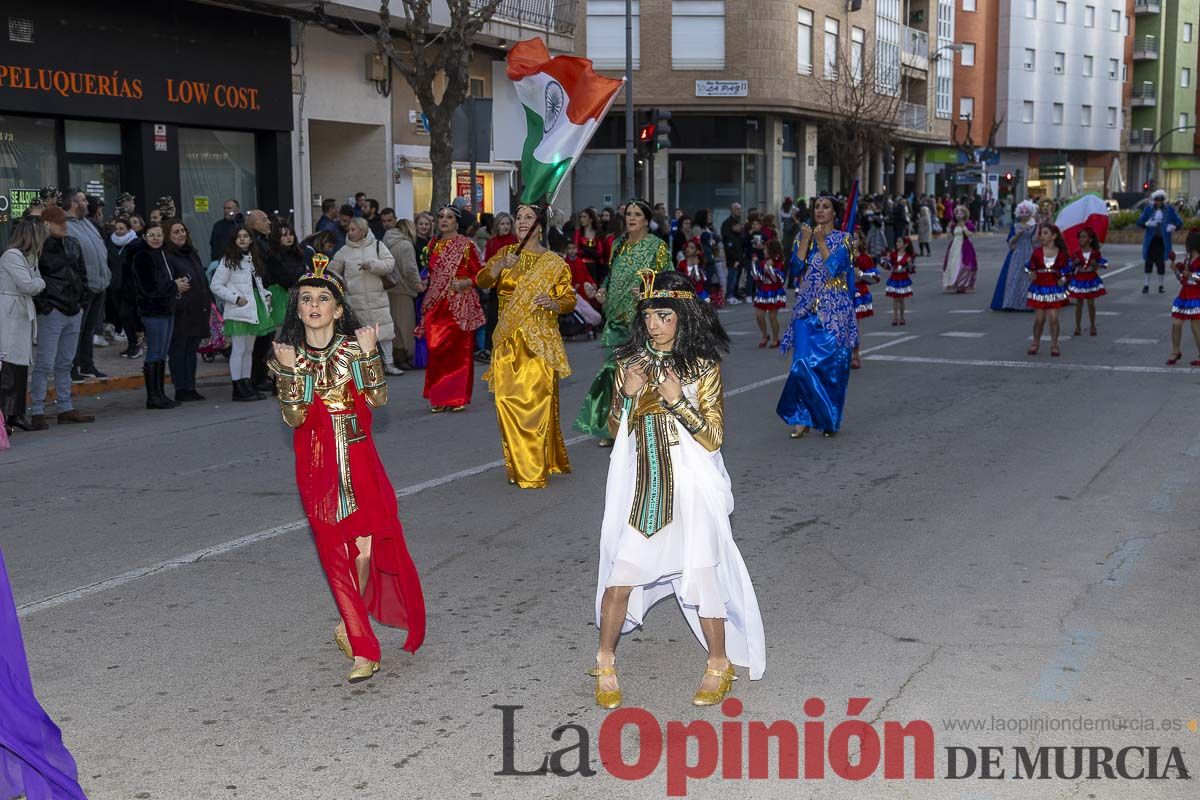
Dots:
pixel 609 700
pixel 363 671
pixel 712 697
pixel 343 642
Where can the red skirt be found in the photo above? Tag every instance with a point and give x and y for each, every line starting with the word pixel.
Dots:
pixel 450 373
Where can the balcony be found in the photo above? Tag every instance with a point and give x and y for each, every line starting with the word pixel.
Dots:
pixel 1145 48
pixel 1141 140
pixel 1145 95
pixel 914 50
pixel 550 16
pixel 914 117
pixel 1147 7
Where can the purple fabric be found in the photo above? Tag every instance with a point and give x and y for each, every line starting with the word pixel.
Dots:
pixel 33 759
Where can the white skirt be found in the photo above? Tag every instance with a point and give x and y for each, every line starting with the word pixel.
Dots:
pixel 693 558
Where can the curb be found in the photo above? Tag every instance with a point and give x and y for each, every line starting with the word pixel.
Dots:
pixel 98 386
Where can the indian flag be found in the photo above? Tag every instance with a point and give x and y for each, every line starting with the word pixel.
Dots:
pixel 564 102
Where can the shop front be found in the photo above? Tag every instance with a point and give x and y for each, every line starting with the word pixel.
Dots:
pixel 163 99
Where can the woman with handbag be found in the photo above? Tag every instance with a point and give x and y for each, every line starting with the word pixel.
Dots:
pixel 362 264
pixel 824 330
pixel 19 282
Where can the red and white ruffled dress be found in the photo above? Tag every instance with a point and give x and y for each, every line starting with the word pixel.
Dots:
pixel 1085 283
pixel 769 293
pixel 865 274
pixel 1047 289
pixel 1187 302
pixel 900 283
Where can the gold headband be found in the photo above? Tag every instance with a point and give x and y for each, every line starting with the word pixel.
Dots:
pixel 650 293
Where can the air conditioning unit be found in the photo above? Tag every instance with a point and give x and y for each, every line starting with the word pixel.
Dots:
pixel 1058 70
pixel 376 67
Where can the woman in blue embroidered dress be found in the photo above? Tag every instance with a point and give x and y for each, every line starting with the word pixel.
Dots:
pixel 824 331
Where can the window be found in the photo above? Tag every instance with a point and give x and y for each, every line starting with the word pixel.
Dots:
pixel 966 108
pixel 1125 30
pixel 1031 9
pixel 1112 69
pixel 887 47
pixel 1027 111
pixel 1085 116
pixel 831 49
pixel 804 25
pixel 1185 77
pixel 1089 16
pixel 1060 63
pixel 1060 11
pixel 968 5
pixel 698 34
pixel 1187 32
pixel 1124 72
pixel 1183 120
pixel 1058 114
pixel 1112 116
pixel 858 39
pixel 1030 59
pixel 943 93
pixel 606 33
pixel 1115 20
pixel 1089 64
pixel 968 54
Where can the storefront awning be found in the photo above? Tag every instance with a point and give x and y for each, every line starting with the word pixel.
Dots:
pixel 941 155
pixel 483 166
pixel 1182 163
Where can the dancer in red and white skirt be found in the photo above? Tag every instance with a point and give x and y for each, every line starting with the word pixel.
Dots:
pixel 1085 284
pixel 865 274
pixel 901 263
pixel 1186 307
pixel 1050 265
pixel 769 294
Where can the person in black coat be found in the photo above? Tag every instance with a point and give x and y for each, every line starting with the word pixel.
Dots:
pixel 192 310
pixel 286 262
pixel 158 291
pixel 223 229
pixel 121 244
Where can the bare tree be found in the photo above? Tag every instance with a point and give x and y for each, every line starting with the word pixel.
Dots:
pixel 862 103
pixel 427 52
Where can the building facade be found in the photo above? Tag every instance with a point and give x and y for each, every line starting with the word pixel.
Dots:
pixel 1060 72
pixel 166 98
pixel 744 85
pixel 1165 59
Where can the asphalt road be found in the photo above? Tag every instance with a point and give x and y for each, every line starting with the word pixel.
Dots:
pixel 991 536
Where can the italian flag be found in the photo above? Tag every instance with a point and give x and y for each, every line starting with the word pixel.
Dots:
pixel 564 102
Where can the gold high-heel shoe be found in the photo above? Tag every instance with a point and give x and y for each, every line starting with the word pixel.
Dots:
pixel 712 697
pixel 363 671
pixel 798 433
pixel 343 642
pixel 609 700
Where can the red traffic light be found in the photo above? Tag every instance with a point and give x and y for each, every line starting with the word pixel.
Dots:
pixel 647 133
pixel 1008 176
pixel 1146 186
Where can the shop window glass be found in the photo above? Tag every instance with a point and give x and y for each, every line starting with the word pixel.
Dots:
pixel 28 161
pixel 213 167
pixel 597 180
pixel 103 138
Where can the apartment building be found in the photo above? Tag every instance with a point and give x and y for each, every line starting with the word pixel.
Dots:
pixel 1165 59
pixel 743 82
pixel 1060 75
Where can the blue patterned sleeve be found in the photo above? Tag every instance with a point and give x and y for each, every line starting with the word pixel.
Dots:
pixel 796 264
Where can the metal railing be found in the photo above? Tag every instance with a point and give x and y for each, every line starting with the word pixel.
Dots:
pixel 1142 137
pixel 914 117
pixel 1145 94
pixel 1145 47
pixel 1147 7
pixel 552 16
pixel 915 43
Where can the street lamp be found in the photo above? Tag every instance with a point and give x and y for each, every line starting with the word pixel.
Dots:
pixel 1153 165
pixel 955 47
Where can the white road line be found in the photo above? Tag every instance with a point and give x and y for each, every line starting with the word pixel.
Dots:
pixel 1128 340
pixel 1046 337
pixel 966 311
pixel 80 592
pixel 1108 313
pixel 963 335
pixel 889 334
pixel 1128 266
pixel 967 362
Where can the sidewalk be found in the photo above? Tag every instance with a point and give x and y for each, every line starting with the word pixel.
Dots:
pixel 126 373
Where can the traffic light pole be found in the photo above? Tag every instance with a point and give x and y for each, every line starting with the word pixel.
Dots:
pixel 629 156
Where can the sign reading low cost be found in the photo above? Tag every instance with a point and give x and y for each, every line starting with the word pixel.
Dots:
pixel 221 95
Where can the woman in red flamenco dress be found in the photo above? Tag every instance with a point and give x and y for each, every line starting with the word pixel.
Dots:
pixel 449 316
pixel 329 377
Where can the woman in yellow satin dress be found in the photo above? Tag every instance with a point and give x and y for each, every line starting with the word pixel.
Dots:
pixel 528 358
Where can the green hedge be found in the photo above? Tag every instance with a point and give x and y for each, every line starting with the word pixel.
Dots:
pixel 1122 220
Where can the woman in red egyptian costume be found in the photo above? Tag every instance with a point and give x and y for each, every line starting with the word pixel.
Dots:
pixel 329 377
pixel 450 315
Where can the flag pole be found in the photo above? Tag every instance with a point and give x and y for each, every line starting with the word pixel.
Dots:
pixel 629 164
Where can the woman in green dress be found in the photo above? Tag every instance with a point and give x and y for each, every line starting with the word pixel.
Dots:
pixel 637 250
pixel 240 283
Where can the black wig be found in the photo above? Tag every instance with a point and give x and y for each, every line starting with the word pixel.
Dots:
pixel 699 337
pixel 292 330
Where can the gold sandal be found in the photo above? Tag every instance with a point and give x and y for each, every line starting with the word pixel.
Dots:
pixel 363 671
pixel 606 699
pixel 712 697
pixel 798 434
pixel 343 642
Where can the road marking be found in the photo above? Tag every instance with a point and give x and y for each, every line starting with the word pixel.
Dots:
pixel 963 335
pixel 966 311
pixel 1108 313
pixel 884 333
pixel 1046 337
pixel 967 362
pixel 1060 676
pixel 1128 266
pixel 1128 340
pixel 80 592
